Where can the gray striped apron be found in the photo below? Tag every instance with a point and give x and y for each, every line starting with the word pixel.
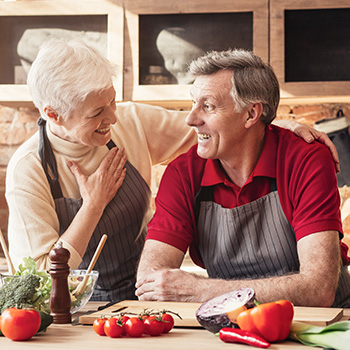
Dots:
pixel 254 240
pixel 123 220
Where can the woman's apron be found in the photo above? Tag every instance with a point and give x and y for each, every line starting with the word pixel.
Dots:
pixel 123 220
pixel 254 240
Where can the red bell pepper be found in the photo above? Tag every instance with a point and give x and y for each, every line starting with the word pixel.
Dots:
pixel 271 321
pixel 236 335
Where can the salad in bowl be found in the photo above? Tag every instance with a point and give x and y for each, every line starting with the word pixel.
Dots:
pixel 32 288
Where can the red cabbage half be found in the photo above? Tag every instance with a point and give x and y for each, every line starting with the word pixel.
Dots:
pixel 222 310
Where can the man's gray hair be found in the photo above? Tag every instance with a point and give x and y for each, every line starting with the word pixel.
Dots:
pixel 252 80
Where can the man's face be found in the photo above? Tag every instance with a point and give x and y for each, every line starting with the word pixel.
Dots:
pixel 90 123
pixel 214 117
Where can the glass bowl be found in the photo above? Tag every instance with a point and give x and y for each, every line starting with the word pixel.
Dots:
pixel 74 279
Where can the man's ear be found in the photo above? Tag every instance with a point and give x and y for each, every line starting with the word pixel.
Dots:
pixel 53 115
pixel 254 114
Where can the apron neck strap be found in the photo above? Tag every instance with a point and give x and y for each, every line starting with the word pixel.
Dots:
pixel 48 160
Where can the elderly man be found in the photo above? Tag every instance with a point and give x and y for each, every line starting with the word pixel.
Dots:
pixel 257 206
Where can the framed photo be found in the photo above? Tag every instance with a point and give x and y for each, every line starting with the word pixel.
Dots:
pixel 25 25
pixel 162 38
pixel 310 45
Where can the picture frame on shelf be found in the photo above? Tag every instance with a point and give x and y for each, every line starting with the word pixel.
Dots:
pixel 161 38
pixel 25 25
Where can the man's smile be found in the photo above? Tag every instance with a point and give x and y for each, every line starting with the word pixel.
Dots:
pixel 203 137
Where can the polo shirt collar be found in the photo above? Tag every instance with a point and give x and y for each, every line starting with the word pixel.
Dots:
pixel 213 173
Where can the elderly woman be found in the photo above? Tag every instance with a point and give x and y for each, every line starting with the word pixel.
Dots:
pixel 73 181
pixel 87 171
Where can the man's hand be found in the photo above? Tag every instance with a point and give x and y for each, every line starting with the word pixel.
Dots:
pixel 169 285
pixel 309 134
pixel 314 285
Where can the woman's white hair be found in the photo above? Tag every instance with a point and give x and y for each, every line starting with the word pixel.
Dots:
pixel 65 72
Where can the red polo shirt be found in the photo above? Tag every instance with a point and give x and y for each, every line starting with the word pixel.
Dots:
pixel 306 183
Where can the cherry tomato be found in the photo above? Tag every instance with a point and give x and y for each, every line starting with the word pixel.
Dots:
pixel 144 315
pixel 113 328
pixel 20 324
pixel 134 327
pixel 153 325
pixel 98 326
pixel 168 322
pixel 123 320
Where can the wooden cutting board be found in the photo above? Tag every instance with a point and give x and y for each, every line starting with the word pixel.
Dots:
pixel 187 311
pixel 318 316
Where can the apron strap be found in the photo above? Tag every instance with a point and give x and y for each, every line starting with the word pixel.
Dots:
pixel 206 194
pixel 111 144
pixel 273 184
pixel 48 160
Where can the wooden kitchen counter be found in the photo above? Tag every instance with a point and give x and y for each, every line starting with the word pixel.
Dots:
pixel 83 337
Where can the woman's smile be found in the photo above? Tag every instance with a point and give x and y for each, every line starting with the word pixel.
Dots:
pixel 103 130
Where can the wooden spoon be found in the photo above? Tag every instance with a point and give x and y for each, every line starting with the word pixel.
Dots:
pixel 12 270
pixel 81 286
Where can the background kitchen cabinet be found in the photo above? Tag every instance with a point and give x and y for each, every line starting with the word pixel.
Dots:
pixel 24 25
pixel 306 42
pixel 310 45
pixel 161 36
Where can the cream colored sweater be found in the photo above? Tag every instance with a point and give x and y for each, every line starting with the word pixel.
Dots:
pixel 150 135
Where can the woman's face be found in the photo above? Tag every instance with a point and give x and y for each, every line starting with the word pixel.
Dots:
pixel 89 124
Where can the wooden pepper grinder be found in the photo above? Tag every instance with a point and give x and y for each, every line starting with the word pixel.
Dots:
pixel 60 300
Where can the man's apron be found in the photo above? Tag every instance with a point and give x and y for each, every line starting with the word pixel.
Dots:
pixel 121 220
pixel 254 240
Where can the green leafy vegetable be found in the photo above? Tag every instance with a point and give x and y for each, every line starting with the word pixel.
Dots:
pixel 335 336
pixel 36 293
pixel 41 296
pixel 18 292
pixel 28 288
